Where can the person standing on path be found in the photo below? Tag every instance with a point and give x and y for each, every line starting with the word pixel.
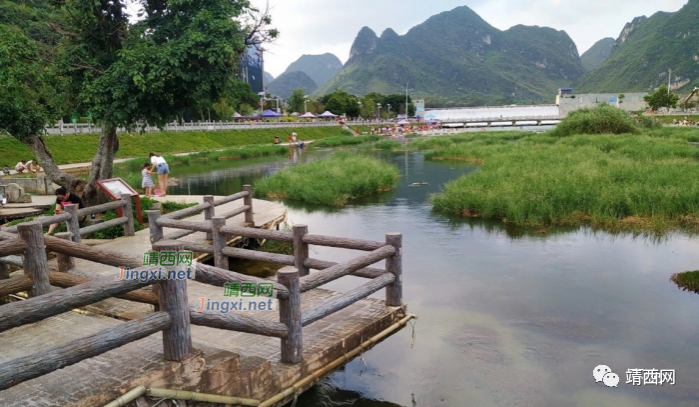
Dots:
pixel 160 165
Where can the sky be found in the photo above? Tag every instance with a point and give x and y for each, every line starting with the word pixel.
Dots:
pixel 320 26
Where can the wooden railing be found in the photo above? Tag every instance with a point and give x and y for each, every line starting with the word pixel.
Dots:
pixel 296 279
pixel 174 316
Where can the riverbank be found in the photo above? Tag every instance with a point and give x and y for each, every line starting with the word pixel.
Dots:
pixel 82 148
pixel 642 182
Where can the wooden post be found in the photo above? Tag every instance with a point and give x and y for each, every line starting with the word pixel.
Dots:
pixel 290 315
pixel 65 262
pixel 209 213
pixel 300 249
pixel 4 271
pixel 156 232
pixel 127 211
pixel 73 223
pixel 249 218
pixel 394 264
pixel 35 266
pixel 219 241
pixel 172 298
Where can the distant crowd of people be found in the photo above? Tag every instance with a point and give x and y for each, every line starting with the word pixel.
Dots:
pixel 405 129
pixel 685 122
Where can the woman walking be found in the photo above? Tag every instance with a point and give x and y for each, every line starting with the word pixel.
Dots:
pixel 160 165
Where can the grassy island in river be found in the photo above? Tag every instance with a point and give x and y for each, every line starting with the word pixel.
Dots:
pixel 332 181
pixel 643 182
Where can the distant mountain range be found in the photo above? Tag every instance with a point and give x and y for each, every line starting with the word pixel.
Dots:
pixel 645 51
pixel 597 54
pixel 458 58
pixel 285 84
pixel 317 68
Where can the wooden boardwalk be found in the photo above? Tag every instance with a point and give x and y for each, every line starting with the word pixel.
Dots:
pixel 224 363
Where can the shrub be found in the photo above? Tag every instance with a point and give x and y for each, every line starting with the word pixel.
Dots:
pixel 603 119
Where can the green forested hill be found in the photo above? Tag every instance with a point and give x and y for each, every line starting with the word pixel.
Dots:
pixel 646 49
pixel 458 58
pixel 597 54
pixel 285 84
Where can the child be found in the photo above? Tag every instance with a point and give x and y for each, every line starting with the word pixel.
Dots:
pixel 6 170
pixel 147 182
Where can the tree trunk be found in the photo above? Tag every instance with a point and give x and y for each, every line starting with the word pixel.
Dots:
pixel 102 166
pixel 67 181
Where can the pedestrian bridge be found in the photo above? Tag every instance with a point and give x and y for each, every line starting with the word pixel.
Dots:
pixel 495 116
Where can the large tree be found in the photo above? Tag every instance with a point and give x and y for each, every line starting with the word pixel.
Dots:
pixel 179 54
pixel 661 98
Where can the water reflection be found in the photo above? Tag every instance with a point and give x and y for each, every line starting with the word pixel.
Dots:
pixel 508 316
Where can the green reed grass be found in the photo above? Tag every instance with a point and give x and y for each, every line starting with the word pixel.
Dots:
pixel 642 182
pixel 687 281
pixel 332 181
pixel 345 141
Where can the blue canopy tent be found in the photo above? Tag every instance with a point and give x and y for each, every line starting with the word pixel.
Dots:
pixel 270 113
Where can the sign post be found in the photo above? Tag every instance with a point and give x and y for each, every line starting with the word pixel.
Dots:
pixel 115 188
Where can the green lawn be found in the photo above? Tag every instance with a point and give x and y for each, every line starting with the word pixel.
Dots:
pixel 81 148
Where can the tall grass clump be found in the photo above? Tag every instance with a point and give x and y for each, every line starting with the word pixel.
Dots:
pixel 687 280
pixel 603 119
pixel 345 141
pixel 387 145
pixel 332 181
pixel 615 182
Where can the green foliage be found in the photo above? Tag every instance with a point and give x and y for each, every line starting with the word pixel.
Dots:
pixel 333 181
pixel 341 102
pixel 603 119
pixel 661 98
pixel 28 92
pixel 635 182
pixel 296 100
pixel 687 281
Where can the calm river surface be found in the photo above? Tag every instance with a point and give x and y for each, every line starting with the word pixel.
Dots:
pixel 507 317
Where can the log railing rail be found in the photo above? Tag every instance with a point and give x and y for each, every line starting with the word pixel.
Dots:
pixel 174 315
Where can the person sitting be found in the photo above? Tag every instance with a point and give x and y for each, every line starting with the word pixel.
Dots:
pixel 21 167
pixel 64 198
pixel 6 170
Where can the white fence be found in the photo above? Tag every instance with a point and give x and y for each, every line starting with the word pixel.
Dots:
pixel 88 128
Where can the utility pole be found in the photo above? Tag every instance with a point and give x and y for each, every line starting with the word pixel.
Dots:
pixel 406 101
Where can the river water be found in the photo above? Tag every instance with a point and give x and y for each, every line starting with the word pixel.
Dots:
pixel 507 316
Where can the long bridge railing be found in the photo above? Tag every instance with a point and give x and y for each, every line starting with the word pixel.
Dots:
pixel 174 316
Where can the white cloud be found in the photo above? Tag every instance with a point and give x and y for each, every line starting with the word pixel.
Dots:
pixel 320 26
